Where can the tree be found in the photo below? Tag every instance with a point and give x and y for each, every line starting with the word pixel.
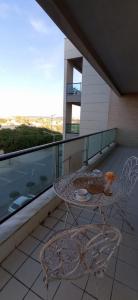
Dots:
pixel 24 136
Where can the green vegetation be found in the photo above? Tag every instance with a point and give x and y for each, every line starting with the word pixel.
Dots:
pixel 24 136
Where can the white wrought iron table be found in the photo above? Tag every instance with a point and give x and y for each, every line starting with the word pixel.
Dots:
pixel 66 187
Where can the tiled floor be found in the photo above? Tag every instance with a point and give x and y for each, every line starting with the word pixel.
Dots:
pixel 21 274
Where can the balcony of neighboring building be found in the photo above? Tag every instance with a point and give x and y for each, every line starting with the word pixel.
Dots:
pixel 73 128
pixel 73 93
pixel 73 80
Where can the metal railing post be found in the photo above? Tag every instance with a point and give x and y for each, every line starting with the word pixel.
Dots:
pixel 86 151
pixel 101 142
pixel 57 161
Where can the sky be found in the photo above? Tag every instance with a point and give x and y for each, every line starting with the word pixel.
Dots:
pixel 31 61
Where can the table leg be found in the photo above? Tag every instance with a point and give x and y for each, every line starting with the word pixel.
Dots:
pixel 103 214
pixel 69 211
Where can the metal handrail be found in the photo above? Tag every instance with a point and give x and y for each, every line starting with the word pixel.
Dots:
pixel 45 146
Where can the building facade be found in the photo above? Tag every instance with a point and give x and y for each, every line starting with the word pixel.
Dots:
pixel 101 108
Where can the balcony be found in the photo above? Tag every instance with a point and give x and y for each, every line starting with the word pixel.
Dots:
pixel 73 128
pixel 20 272
pixel 73 93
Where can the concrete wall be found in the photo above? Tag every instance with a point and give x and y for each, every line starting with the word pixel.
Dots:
pixel 123 114
pixel 101 108
pixel 94 101
pixel 70 51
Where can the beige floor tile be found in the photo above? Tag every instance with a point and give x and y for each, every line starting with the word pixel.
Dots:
pixel 50 222
pixel 134 221
pixel 40 232
pixel 58 213
pixel 68 291
pixel 76 210
pixel 28 245
pixel 87 297
pixel 130 240
pixel 87 214
pixel 49 235
pixel 129 255
pixel 28 272
pixel 14 290
pixel 32 296
pixel 14 261
pixel 111 267
pixel 81 282
pixel 4 277
pixel 62 206
pixel 70 219
pixel 127 275
pixel 121 292
pixel 59 226
pixel 132 209
pixel 82 221
pixel 100 288
pixel 116 222
pixel 36 253
pixel 40 288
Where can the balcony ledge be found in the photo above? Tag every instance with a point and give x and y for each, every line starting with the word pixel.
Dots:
pixel 16 228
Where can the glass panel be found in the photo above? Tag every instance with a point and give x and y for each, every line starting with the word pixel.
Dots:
pixel 24 177
pixel 94 144
pixel 60 160
pixel 73 155
pixel 74 88
pixel 108 137
pixel 72 128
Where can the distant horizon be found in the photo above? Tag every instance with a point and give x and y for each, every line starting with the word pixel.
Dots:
pixel 30 116
pixel 35 116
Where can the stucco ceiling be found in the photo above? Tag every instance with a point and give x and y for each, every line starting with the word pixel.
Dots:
pixel 106 33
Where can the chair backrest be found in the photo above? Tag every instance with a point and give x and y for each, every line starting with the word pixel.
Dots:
pixel 74 252
pixel 129 175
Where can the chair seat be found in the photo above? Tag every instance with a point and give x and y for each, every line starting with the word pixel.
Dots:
pixel 72 253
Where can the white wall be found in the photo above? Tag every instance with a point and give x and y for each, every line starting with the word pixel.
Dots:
pixel 94 101
pixel 123 114
pixel 70 51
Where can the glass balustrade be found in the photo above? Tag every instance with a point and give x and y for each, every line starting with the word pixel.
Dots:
pixel 27 173
pixel 73 128
pixel 73 88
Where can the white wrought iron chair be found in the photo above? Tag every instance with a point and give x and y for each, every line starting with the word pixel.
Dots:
pixel 126 184
pixel 75 252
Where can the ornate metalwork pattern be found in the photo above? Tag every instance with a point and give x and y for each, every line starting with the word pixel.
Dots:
pixel 72 253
